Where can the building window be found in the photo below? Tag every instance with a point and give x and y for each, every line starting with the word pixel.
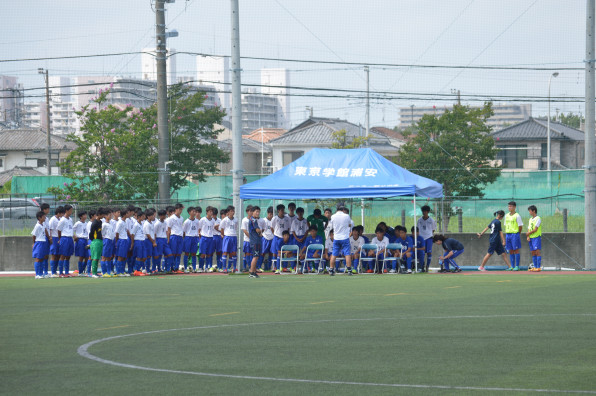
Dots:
pixel 41 163
pixel 291 156
pixel 513 156
pixel 1 162
pixel 544 150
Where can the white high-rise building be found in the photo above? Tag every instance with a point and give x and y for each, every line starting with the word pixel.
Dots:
pixel 215 71
pixel 276 82
pixel 60 89
pixel 10 92
pixel 149 67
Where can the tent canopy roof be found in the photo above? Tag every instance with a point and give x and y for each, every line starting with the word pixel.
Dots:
pixel 346 173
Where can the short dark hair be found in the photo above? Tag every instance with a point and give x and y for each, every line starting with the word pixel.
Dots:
pixel 189 209
pixel 199 209
pixel 280 207
pixel 533 208
pixel 256 208
pixel 270 209
pixel 161 212
pixel 223 211
pixel 313 228
pixel 341 207
pixel 214 211
pixel 91 213
pixel 231 207
pixel 327 210
pixel 439 237
pixel 512 203
pixel 59 210
pixel 285 232
pixel 379 229
pixel 418 229
pixel 81 214
pixel 67 208
pixel 425 208
pixel 292 205
pixel 140 213
pixel 169 208
pixel 44 206
pixel 178 206
pixel 249 208
pixel 300 210
pixel 40 214
pixel 499 213
pixel 317 212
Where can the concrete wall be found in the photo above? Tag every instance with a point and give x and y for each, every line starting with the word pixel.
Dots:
pixel 15 252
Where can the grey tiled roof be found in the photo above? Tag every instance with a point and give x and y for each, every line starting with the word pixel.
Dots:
pixel 319 131
pixel 533 129
pixel 17 171
pixel 31 139
pixel 248 146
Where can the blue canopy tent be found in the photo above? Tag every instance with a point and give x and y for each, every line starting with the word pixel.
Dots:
pixel 347 173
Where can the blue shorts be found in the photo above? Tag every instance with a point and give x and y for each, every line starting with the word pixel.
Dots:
pixel 536 243
pixel 276 244
pixel 207 246
pixel 310 253
pixel 299 244
pixel 266 245
pixel 218 240
pixel 149 249
pixel 162 247
pixel 230 244
pixel 55 247
pixel 108 248
pixel 66 246
pixel 191 244
pixel 341 247
pixel 138 250
pixel 512 241
pixel 496 247
pixel 39 250
pixel 122 246
pixel 176 242
pixel 246 248
pixel 46 248
pixel 428 245
pixel 81 248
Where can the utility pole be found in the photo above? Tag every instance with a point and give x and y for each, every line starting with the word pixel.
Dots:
pixel 49 143
pixel 163 140
pixel 237 166
pixel 367 70
pixel 590 147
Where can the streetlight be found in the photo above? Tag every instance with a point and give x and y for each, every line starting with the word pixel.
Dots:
pixel 49 144
pixel 555 74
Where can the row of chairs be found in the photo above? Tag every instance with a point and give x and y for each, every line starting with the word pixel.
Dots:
pixel 380 258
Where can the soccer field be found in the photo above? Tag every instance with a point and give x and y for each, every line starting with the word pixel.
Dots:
pixel 469 333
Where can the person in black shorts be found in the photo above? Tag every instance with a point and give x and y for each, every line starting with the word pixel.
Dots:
pixel 496 242
pixel 254 234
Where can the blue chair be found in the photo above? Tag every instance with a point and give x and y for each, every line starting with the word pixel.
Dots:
pixel 364 255
pixel 313 248
pixel 289 249
pixel 389 259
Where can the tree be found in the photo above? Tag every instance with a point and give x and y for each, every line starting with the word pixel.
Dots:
pixel 343 141
pixel 116 155
pixel 571 120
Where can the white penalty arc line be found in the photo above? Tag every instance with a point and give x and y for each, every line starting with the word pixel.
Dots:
pixel 83 351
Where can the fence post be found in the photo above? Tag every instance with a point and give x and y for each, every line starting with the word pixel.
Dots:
pixel 403 217
pixel 460 220
pixel 565 219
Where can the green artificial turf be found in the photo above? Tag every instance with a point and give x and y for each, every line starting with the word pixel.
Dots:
pixel 524 331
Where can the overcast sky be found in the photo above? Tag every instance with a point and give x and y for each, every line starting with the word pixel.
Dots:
pixel 439 32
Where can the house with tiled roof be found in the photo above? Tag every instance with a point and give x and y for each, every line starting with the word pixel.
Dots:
pixel 265 134
pixel 27 148
pixel 317 132
pixel 524 145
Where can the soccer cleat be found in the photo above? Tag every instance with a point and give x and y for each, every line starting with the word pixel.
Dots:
pixel 253 275
pixel 348 271
pixel 393 271
pixel 259 270
pixel 331 272
pixel 354 271
pixel 369 271
pixel 94 276
pixel 516 268
pixel 277 272
pixel 482 269
pixel 538 269
pixel 409 271
pixel 509 269
pixel 106 276
pixel 38 277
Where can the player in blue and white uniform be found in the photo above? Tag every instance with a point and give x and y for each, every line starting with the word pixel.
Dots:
pixel 107 250
pixel 312 239
pixel 217 239
pixel 55 245
pixel 121 243
pixel 65 232
pixel 150 243
pixel 190 231
pixel 39 244
pixel 207 247
pixel 342 228
pixel 299 228
pixel 427 226
pixel 266 243
pixel 246 238
pixel 139 253
pixel 162 248
pixel 229 231
pixel 280 223
pixel 175 235
pixel 81 236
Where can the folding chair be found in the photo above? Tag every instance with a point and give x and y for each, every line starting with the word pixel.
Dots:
pixel 313 248
pixel 389 259
pixel 289 249
pixel 364 255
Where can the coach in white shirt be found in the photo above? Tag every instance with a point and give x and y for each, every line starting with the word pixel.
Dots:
pixel 341 223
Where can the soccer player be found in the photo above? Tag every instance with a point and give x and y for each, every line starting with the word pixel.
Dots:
pixel 92 215
pixel 513 229
pixel 496 242
pixel 356 242
pixel 427 226
pixel 161 241
pixel 246 238
pixel 291 215
pixel 228 229
pixel 420 246
pixel 107 249
pixel 190 233
pixel 312 238
pixel 138 244
pixel 218 239
pixel 39 244
pixel 96 244
pixel 267 242
pixel 207 248
pixel 150 242
pixel 65 234
pixel 534 237
pixel 381 241
pixel 175 236
pixel 45 208
pixel 121 243
pixel 255 235
pixel 318 221
pixel 299 227
pixel 327 220
pixel 55 245
pixel 80 238
pixel 280 223
pixel 285 240
pixel 130 214
pixel 408 243
pixel 453 248
pixel 341 224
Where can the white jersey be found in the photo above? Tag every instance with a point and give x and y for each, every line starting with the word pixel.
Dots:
pixel 65 227
pixel 46 224
pixel 382 244
pixel 107 231
pixel 190 228
pixel 280 224
pixel 299 227
pixel 175 225
pixel 341 224
pixel 80 230
pixel 53 226
pixel 137 231
pixel 292 218
pixel 113 223
pixel 244 227
pixel 356 244
pixel 328 228
pixel 426 227
pixel 329 245
pixel 160 229
pixel 39 231
pixel 121 229
pixel 229 226
pixel 149 229
pixel 207 227
pixel 88 228
pixel 216 226
pixel 265 225
pixel 130 222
